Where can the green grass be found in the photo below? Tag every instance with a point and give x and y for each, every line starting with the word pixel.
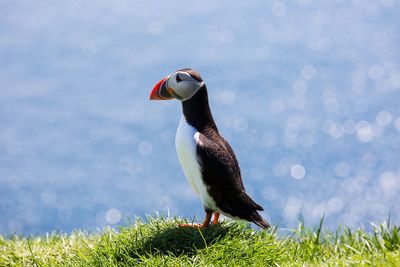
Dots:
pixel 159 242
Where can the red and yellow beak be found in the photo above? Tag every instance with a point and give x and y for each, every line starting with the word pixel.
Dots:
pixel 160 91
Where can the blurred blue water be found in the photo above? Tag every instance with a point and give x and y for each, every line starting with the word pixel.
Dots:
pixel 306 92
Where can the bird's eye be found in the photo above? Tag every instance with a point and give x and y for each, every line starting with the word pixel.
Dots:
pixel 178 79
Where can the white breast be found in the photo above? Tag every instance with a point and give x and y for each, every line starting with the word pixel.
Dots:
pixel 185 143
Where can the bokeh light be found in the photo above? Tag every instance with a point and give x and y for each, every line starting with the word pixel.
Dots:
pixel 279 9
pixel 297 171
pixel 113 216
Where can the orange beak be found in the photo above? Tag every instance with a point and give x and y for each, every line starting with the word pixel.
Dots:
pixel 160 91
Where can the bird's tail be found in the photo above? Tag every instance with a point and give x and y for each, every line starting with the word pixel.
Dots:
pixel 259 220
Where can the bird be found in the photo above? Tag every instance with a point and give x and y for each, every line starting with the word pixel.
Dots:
pixel 207 159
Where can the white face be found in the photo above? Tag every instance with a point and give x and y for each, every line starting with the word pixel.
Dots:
pixel 183 85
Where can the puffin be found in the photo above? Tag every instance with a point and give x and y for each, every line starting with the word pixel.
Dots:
pixel 207 159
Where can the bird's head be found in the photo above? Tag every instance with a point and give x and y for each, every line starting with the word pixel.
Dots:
pixel 181 85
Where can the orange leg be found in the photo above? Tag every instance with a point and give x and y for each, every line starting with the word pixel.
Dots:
pixel 207 220
pixel 216 217
pixel 205 224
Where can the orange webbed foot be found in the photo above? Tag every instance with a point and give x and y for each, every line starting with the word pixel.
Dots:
pixel 205 224
pixel 192 225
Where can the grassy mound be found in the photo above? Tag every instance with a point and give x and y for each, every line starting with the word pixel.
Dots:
pixel 159 242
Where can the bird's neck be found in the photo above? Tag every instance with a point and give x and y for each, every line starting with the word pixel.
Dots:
pixel 197 111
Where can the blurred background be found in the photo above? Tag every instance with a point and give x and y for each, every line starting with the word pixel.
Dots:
pixel 307 93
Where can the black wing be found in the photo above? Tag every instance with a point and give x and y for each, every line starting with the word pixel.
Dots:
pixel 221 172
